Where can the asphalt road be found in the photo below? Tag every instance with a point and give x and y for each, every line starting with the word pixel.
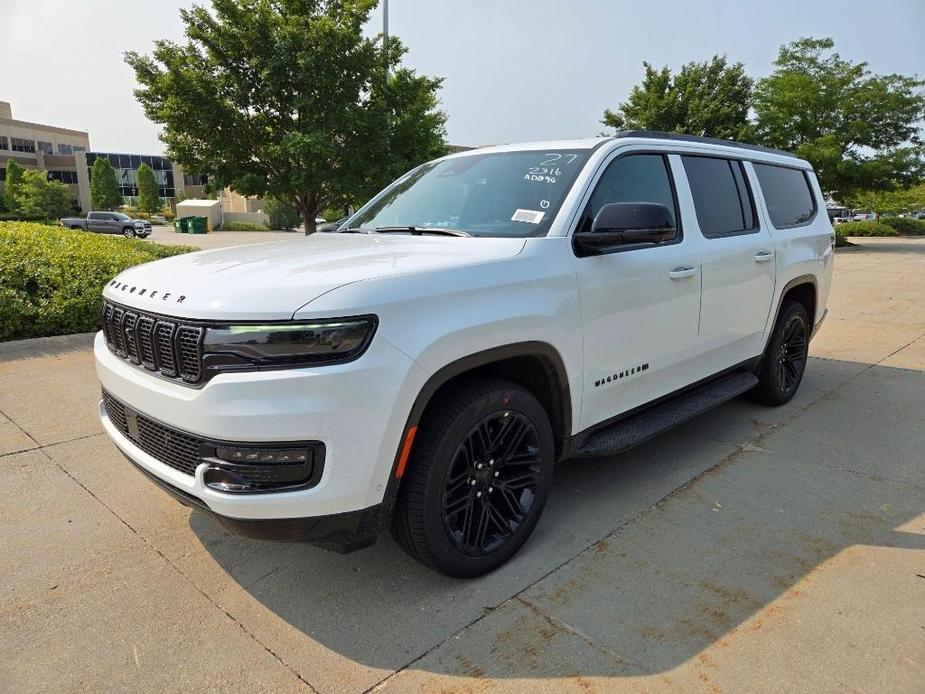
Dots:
pixel 752 549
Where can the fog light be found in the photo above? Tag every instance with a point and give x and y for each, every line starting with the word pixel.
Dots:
pixel 263 455
pixel 243 470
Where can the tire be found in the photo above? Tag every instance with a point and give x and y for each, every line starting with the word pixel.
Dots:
pixel 462 515
pixel 128 232
pixel 784 361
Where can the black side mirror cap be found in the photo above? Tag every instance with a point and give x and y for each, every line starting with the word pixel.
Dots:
pixel 624 224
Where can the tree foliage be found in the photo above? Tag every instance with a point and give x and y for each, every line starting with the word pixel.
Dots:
pixel 709 99
pixel 287 99
pixel 282 214
pixel 149 199
pixel 11 184
pixel 38 198
pixel 105 193
pixel 859 130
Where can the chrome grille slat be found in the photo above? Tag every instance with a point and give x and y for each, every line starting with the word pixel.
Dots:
pixel 164 332
pixel 144 330
pixel 131 339
pixel 163 345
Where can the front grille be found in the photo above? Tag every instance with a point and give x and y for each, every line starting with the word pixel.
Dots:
pixel 162 345
pixel 175 448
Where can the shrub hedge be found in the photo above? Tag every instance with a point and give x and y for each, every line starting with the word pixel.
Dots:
pixel 868 228
pixel 905 225
pixel 51 278
pixel 244 226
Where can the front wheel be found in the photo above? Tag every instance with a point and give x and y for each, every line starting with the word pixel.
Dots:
pixel 478 478
pixel 785 359
pixel 128 232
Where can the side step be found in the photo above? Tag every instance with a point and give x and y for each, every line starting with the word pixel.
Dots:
pixel 653 421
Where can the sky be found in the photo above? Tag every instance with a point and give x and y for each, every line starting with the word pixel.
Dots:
pixel 514 70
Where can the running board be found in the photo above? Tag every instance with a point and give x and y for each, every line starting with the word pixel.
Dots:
pixel 641 427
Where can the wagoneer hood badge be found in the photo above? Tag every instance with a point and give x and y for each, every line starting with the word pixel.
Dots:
pixel 129 288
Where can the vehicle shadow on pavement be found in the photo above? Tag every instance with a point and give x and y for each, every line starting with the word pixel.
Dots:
pixel 640 562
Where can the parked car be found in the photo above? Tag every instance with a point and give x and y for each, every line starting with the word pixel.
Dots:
pixel 110 223
pixel 489 313
pixel 331 226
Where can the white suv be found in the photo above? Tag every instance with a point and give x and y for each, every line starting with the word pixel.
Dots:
pixel 486 315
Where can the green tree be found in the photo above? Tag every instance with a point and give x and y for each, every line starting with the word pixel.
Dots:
pixel 11 184
pixel 148 190
pixel 288 99
pixel 105 193
pixel 283 214
pixel 710 99
pixel 38 198
pixel 881 201
pixel 859 130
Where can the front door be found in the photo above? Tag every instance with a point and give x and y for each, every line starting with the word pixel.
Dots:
pixel 640 306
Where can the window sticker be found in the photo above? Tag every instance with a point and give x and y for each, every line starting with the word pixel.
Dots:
pixel 528 216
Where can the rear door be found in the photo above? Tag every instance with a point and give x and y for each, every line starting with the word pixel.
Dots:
pixel 96 221
pixel 640 305
pixel 737 259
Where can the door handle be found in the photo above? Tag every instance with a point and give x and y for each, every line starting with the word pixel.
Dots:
pixel 679 273
pixel 764 256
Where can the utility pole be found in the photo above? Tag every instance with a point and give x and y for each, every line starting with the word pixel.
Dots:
pixel 385 37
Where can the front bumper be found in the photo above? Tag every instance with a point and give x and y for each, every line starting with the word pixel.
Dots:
pixel 356 410
pixel 340 532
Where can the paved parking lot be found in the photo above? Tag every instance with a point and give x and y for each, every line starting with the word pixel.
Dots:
pixel 218 239
pixel 752 549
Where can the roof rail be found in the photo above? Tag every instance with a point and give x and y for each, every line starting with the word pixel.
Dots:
pixel 656 135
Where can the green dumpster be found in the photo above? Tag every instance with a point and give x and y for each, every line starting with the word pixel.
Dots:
pixel 181 226
pixel 198 225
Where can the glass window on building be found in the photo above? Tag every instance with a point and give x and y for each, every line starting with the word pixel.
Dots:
pixel 65 149
pixel 45 147
pixel 4 143
pixel 21 145
pixel 69 177
pixel 78 148
pixel 194 179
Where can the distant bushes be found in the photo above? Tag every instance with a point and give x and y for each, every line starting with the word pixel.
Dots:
pixel 51 278
pixel 244 226
pixel 905 225
pixel 886 226
pixel 868 228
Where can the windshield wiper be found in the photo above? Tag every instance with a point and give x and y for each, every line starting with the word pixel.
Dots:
pixel 419 231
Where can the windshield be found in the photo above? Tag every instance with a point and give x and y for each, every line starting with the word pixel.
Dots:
pixel 510 194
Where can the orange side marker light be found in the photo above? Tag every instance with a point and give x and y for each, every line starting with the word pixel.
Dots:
pixel 405 452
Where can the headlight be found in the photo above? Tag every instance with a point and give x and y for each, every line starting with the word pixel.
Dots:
pixel 139 224
pixel 237 346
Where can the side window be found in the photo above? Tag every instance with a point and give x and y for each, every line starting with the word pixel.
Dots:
pixel 787 194
pixel 633 178
pixel 721 195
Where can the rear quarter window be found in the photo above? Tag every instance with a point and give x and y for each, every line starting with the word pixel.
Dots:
pixel 787 194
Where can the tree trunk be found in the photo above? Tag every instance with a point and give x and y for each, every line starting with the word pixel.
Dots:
pixel 308 207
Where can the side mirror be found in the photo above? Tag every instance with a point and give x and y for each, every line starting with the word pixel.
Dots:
pixel 626 223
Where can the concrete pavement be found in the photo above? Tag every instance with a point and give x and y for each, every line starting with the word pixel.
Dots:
pixel 751 549
pixel 219 239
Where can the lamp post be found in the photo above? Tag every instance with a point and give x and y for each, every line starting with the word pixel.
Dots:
pixel 385 37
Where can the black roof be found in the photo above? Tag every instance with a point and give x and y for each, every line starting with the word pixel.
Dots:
pixel 656 135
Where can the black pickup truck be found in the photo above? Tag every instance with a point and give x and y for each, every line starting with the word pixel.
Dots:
pixel 110 223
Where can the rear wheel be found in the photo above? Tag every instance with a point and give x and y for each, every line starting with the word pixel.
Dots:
pixel 478 479
pixel 128 232
pixel 785 358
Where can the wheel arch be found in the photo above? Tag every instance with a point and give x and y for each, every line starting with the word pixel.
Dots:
pixel 536 366
pixel 803 289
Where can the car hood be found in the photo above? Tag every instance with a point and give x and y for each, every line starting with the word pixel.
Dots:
pixel 273 280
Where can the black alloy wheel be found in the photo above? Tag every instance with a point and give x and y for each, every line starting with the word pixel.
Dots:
pixel 791 354
pixel 784 361
pixel 491 483
pixel 478 478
